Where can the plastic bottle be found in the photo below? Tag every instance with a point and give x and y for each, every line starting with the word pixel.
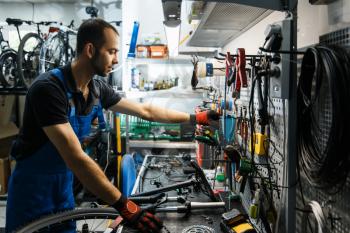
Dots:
pixel 254 206
pixel 220 176
pixel 137 78
pixel 133 83
pixel 146 85
pixel 142 83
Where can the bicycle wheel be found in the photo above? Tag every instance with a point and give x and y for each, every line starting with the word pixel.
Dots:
pixel 28 58
pixel 8 68
pixel 52 53
pixel 88 220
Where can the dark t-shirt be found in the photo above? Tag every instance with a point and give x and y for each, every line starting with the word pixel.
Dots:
pixel 47 104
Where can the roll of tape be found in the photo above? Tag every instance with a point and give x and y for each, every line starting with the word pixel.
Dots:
pixel 209 69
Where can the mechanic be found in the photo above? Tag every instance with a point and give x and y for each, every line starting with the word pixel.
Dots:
pixel 59 108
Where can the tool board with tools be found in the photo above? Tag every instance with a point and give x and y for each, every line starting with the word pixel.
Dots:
pixel 252 137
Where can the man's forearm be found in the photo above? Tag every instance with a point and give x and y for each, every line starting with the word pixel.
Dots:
pixel 93 178
pixel 87 171
pixel 164 115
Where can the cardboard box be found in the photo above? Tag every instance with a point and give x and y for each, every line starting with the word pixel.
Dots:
pixel 6 106
pixel 159 51
pixel 4 174
pixel 143 51
pixel 8 133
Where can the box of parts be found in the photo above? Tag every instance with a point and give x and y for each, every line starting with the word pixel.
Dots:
pixel 4 174
pixel 159 51
pixel 143 51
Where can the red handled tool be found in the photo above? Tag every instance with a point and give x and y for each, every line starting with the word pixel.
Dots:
pixel 241 76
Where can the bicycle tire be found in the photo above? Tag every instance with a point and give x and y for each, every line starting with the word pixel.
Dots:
pixel 8 71
pixel 52 53
pixel 28 61
pixel 71 215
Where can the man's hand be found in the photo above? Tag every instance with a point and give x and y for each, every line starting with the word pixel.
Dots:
pixel 204 118
pixel 142 220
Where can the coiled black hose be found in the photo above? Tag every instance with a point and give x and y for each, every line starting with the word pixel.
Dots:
pixel 323 117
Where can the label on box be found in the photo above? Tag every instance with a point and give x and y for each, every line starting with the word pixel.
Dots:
pixel 157 54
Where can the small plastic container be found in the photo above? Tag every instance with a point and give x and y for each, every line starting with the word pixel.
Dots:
pixel 143 51
pixel 159 51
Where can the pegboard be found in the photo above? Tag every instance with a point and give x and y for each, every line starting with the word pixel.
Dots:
pixel 278 114
pixel 339 203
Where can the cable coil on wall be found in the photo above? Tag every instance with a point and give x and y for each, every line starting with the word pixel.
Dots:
pixel 315 208
pixel 323 112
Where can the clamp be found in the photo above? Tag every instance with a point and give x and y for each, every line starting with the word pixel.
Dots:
pixel 230 70
pixel 241 76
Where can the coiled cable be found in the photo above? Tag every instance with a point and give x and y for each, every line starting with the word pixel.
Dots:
pixel 323 117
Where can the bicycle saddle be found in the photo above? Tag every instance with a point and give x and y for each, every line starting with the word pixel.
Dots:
pixel 15 22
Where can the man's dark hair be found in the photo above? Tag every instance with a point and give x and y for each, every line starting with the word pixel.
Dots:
pixel 92 31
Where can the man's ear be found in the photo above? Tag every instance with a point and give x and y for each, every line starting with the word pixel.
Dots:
pixel 90 50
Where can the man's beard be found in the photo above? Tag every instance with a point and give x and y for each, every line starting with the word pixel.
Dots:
pixel 95 64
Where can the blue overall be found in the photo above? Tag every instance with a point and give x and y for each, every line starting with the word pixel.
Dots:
pixel 41 183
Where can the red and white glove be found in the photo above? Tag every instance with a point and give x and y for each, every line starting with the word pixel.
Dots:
pixel 205 117
pixel 144 221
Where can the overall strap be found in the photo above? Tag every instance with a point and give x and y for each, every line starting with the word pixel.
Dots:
pixel 58 74
pixel 100 116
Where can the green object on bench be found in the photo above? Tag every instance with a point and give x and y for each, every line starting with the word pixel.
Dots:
pixel 140 129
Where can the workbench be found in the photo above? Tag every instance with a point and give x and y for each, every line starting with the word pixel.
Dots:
pixel 161 171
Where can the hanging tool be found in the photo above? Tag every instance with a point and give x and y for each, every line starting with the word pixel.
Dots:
pixel 244 125
pixel 194 79
pixel 230 71
pixel 233 156
pixel 263 94
pixel 241 76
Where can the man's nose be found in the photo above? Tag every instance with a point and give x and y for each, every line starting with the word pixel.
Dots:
pixel 115 60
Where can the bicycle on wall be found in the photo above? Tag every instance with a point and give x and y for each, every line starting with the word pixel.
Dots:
pixel 8 63
pixel 28 51
pixel 56 50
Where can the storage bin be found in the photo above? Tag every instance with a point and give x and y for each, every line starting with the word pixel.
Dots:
pixel 159 51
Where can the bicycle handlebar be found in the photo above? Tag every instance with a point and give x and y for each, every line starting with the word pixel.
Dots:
pixel 46 23
pixel 67 29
